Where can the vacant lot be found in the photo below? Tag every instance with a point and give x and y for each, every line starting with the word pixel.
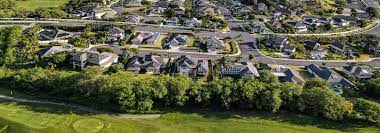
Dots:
pixel 33 4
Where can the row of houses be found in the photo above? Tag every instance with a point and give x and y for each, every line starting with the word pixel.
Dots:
pixel 197 67
pixel 114 34
pixel 316 51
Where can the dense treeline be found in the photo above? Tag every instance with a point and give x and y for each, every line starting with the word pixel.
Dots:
pixel 128 92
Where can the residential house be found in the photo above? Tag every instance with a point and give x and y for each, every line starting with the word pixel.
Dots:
pixel 88 11
pixel 115 34
pixel 144 64
pixel 359 71
pixel 343 20
pixel 145 37
pixel 326 21
pixel 98 13
pixel 157 10
pixel 93 58
pixel 262 7
pixel 318 54
pixel 284 74
pixel 239 70
pixel 299 26
pixel 312 45
pixel 276 24
pixel 135 19
pixel 133 3
pixel 277 42
pixel 172 21
pixel 54 35
pixel 311 20
pixel 138 39
pixel 289 49
pixel 206 11
pixel 332 77
pixel 259 27
pixel 152 40
pixel 374 46
pixel 194 22
pixel 179 11
pixel 362 14
pixel 214 44
pixel 51 50
pixel 190 66
pixel 339 48
pixel 279 12
pixel 176 40
pixel 162 3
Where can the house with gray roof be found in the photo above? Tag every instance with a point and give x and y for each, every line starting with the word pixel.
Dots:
pixel 51 50
pixel 145 38
pixel 239 70
pixel 281 43
pixel 299 26
pixel 262 7
pixel 318 54
pixel 359 71
pixel 312 45
pixel 176 40
pixel 344 20
pixel 194 22
pixel 54 35
pixel 339 48
pixel 146 63
pixel 133 3
pixel 93 58
pixel 157 10
pixel 284 74
pixel 277 42
pixel 135 19
pixel 214 44
pixel 115 34
pixel 332 77
pixel 191 66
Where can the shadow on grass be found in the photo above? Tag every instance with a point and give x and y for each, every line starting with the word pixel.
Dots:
pixel 284 117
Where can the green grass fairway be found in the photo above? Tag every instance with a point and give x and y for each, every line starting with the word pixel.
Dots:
pixel 37 118
pixel 33 4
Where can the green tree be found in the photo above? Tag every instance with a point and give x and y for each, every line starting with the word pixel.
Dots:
pixel 372 12
pixel 290 95
pixel 247 91
pixel 267 77
pixel 269 101
pixel 367 110
pixel 372 87
pixel 314 82
pixel 319 101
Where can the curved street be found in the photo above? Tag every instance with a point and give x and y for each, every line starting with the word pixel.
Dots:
pixel 247 41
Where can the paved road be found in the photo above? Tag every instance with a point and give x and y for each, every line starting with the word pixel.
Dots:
pixel 246 43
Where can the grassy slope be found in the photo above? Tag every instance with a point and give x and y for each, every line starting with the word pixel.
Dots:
pixel 22 117
pixel 33 4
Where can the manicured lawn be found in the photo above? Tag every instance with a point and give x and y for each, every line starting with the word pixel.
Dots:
pixel 363 57
pixel 33 4
pixel 21 117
